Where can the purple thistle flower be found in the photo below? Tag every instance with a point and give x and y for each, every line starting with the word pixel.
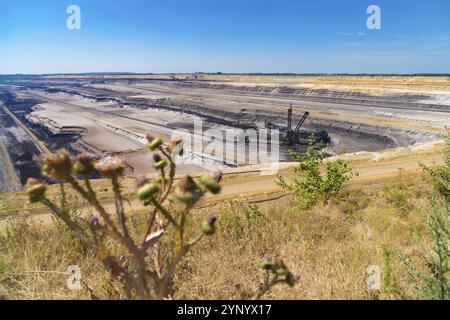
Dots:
pixel 94 220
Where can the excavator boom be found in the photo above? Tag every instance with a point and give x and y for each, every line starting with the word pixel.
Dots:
pixel 302 121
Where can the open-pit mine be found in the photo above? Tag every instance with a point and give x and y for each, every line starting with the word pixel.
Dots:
pixel 111 115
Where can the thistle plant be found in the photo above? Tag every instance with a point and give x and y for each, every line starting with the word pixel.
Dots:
pixel 433 281
pixel 275 274
pixel 440 175
pixel 147 269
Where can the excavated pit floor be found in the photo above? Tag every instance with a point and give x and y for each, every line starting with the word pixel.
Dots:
pixel 112 116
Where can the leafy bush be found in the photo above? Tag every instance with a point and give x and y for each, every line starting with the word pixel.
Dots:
pixel 314 179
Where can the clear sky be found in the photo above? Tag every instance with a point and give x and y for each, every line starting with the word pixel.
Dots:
pixel 295 36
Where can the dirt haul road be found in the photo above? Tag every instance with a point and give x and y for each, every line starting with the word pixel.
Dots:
pixel 249 185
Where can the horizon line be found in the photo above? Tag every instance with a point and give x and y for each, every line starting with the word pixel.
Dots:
pixel 224 73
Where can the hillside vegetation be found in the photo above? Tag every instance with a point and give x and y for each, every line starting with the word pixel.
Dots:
pixel 387 222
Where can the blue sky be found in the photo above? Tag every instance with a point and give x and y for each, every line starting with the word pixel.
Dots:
pixel 320 36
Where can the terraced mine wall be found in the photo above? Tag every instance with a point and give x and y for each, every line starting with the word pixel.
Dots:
pixel 346 136
pixel 400 101
pixel 23 148
pixel 176 96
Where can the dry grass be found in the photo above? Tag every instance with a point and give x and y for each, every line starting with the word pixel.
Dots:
pixel 330 246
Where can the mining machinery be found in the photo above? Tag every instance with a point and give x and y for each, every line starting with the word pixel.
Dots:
pixel 291 136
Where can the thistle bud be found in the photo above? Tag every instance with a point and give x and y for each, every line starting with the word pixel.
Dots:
pixel 83 165
pixel 35 190
pixel 84 159
pixel 57 165
pixel 110 167
pixel 150 137
pixel 210 184
pixel 148 191
pixel 291 280
pixel 155 144
pixel 187 191
pixel 159 180
pixel 281 272
pixel 160 165
pixel 208 226
pixel 266 265
pixel 157 157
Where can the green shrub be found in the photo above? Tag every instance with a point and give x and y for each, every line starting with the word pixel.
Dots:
pixel 314 179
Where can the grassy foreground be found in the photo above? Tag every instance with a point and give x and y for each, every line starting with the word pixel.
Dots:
pixel 330 247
